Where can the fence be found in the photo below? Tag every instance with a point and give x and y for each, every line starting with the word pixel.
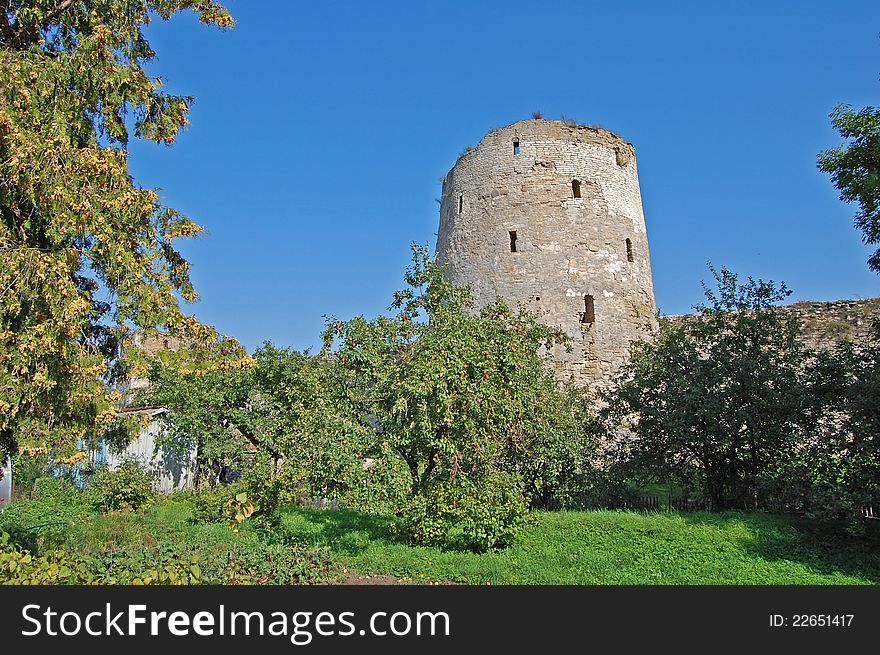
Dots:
pixel 685 504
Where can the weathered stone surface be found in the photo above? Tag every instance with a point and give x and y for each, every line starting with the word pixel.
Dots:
pixel 824 324
pixel 518 190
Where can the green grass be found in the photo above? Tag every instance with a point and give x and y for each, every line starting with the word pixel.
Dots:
pixel 597 547
pixel 606 547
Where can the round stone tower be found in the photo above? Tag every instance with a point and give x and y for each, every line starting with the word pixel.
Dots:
pixel 548 216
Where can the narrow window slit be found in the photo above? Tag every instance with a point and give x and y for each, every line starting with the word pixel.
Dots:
pixel 589 315
pixel 629 250
pixel 516 146
pixel 512 234
pixel 460 203
pixel 576 188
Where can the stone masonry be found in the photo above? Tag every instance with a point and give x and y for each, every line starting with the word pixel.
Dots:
pixel 823 324
pixel 548 216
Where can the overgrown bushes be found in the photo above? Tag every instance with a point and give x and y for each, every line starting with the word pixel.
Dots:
pixel 476 514
pixel 731 403
pixel 127 487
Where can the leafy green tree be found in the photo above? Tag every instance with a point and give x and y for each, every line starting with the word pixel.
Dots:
pixel 719 398
pixel 835 471
pixel 463 398
pixel 449 388
pixel 282 419
pixel 855 169
pixel 86 254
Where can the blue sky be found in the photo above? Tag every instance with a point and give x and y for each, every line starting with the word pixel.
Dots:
pixel 320 131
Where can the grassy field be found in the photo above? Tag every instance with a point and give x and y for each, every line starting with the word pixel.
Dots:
pixel 596 547
pixel 607 547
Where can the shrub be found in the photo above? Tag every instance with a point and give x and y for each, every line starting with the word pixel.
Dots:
pixel 127 487
pixel 54 490
pixel 29 468
pixel 467 513
pixel 39 521
pixel 209 504
pixel 19 567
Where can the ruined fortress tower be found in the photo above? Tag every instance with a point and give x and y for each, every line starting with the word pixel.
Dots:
pixel 548 216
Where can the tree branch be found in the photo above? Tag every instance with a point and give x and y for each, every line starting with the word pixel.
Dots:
pixel 18 36
pixel 55 13
pixel 5 26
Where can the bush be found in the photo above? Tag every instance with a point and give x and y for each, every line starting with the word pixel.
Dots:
pixel 477 514
pixel 28 468
pixel 209 503
pixel 39 521
pixel 283 564
pixel 127 487
pixel 55 490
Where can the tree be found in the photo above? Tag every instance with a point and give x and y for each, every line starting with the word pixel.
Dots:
pixel 86 255
pixel 281 418
pixel 463 398
pixel 835 471
pixel 448 388
pixel 855 169
pixel 718 398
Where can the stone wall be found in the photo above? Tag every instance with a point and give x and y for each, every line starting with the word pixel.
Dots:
pixel 548 216
pixel 824 324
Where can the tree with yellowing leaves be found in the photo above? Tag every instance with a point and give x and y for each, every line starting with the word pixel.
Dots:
pixel 87 255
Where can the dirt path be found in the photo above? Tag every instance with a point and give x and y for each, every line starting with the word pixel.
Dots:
pixel 358 579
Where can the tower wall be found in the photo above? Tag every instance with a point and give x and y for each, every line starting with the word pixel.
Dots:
pixel 512 227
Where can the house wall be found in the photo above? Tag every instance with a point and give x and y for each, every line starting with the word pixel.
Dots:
pixel 172 470
pixel 6 484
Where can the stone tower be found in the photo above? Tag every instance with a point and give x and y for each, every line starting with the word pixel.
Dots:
pixel 548 216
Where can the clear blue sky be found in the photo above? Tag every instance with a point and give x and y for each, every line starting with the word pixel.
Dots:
pixel 320 130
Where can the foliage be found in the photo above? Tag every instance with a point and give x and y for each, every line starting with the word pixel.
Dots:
pixel 29 468
pixel 451 391
pixel 719 399
pixel 41 519
pixel 282 423
pixel 447 393
pixel 86 254
pixel 558 445
pixel 275 564
pixel 466 513
pixel 835 472
pixel 127 487
pixel 238 509
pixel 209 503
pixel 855 169
pixel 156 546
pixel 20 567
